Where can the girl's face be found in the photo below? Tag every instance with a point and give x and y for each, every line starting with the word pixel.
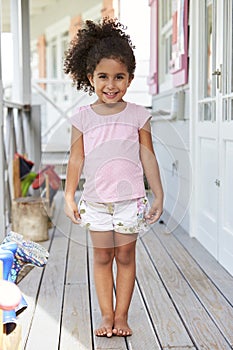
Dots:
pixel 110 80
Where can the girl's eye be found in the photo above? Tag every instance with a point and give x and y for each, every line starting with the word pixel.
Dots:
pixel 102 76
pixel 119 77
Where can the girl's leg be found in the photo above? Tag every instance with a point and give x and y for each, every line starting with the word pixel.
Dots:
pixel 103 248
pixel 126 270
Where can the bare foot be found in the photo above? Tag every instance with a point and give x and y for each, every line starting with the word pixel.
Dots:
pixel 121 327
pixel 105 330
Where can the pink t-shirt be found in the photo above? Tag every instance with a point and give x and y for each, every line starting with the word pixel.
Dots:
pixel 112 165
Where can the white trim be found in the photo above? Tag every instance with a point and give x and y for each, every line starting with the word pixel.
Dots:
pixel 193 83
pixel 165 78
pixel 21 87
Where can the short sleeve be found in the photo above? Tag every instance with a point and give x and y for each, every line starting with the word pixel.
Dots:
pixel 76 120
pixel 143 116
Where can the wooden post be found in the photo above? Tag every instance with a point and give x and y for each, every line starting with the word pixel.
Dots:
pixel 20 24
pixel 16 178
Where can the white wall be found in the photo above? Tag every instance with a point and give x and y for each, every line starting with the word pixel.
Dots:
pixel 171 142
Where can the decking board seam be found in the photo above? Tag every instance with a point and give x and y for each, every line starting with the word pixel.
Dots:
pixel 198 297
pixel 169 295
pixel 89 290
pixel 146 307
pixel 64 288
pixel 38 291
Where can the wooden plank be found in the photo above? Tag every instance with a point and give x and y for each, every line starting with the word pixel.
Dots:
pixel 76 325
pixel 77 260
pixel 202 329
pixel 214 302
pixel 45 329
pixel 29 287
pixel 144 336
pixel 76 331
pixel 171 331
pixel 217 274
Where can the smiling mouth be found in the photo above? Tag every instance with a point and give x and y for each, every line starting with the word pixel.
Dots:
pixel 110 94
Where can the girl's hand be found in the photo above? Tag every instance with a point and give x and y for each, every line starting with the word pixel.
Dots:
pixel 71 210
pixel 155 211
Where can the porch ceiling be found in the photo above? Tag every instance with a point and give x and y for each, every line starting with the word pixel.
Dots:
pixel 36 8
pixel 40 7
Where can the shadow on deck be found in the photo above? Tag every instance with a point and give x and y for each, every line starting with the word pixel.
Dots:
pixel 182 300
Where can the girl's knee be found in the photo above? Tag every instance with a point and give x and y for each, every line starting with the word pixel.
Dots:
pixel 125 255
pixel 103 256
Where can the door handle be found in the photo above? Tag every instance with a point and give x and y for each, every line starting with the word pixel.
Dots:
pixel 218 73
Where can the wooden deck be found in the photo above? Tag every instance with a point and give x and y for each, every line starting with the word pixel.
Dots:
pixel 183 298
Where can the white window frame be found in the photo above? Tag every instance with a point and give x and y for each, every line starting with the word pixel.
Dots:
pixel 165 77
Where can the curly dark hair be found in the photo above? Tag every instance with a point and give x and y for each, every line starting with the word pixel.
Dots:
pixel 93 42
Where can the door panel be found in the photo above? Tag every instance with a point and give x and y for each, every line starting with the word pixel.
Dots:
pixel 226 220
pixel 226 142
pixel 208 194
pixel 214 131
pixel 207 132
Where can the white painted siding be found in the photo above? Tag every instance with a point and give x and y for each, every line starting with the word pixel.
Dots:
pixel 171 143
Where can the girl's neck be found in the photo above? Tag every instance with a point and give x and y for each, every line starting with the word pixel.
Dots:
pixel 108 108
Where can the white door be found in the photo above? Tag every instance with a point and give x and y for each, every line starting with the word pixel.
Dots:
pixel 214 130
pixel 226 142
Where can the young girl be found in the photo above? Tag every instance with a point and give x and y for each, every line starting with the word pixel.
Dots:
pixel 112 145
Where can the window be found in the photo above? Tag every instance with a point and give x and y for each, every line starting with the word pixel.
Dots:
pixel 169 44
pixel 153 71
pixel 165 43
pixel 166 11
pixel 207 89
pixel 210 61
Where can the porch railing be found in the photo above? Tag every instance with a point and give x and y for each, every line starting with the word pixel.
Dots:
pixel 21 134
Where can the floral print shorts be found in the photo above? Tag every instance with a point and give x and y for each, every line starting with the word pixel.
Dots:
pixel 124 217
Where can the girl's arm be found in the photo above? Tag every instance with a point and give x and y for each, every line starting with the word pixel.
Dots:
pixel 74 170
pixel 151 169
